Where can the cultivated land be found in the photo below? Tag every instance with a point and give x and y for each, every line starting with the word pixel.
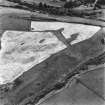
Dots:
pixel 34 47
pixel 54 73
pixel 37 82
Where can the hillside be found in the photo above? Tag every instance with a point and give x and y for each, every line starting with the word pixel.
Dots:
pixel 54 73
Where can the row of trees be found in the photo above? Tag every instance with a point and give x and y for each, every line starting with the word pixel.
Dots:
pixel 101 2
pixel 50 9
pixel 15 1
pixel 87 1
pixel 55 10
pixel 30 6
pixel 95 3
pixel 72 4
pixel 43 7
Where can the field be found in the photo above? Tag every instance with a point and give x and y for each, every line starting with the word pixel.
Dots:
pixel 78 94
pixel 60 70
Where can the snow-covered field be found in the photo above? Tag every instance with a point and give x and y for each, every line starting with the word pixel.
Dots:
pixel 22 50
pixel 85 31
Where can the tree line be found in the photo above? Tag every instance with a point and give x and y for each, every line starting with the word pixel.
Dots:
pixel 45 8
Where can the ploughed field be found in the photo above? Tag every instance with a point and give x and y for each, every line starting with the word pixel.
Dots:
pixel 43 62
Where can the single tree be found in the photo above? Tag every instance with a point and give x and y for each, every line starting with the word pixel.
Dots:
pixel 69 5
pixel 45 5
pixel 40 5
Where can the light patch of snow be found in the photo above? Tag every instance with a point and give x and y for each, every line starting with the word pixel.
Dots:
pixel 22 50
pixel 85 31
